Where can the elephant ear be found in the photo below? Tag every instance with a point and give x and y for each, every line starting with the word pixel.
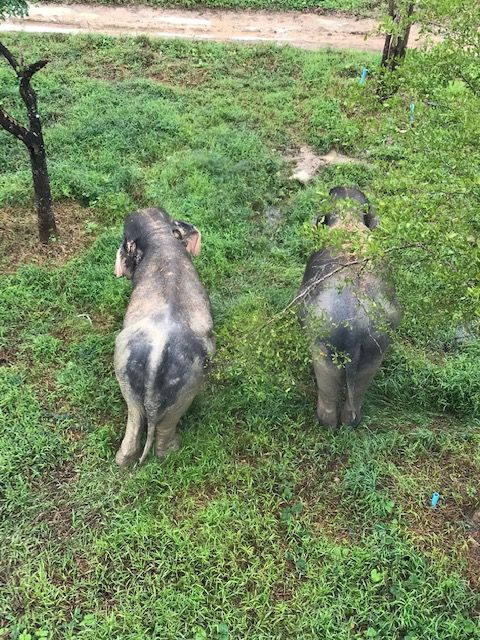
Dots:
pixel 327 219
pixel 189 235
pixel 128 256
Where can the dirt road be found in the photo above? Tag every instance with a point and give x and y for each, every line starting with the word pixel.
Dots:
pixel 305 30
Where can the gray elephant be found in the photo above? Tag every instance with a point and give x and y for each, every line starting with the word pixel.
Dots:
pixel 348 311
pixel 162 353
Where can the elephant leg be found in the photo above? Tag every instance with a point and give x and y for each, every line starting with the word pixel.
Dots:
pixel 131 446
pixel 356 390
pixel 167 437
pixel 330 385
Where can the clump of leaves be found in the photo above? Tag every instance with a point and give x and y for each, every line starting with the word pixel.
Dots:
pixel 13 8
pixel 456 51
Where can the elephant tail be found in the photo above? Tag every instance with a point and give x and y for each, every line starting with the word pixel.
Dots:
pixel 351 371
pixel 149 440
pixel 153 418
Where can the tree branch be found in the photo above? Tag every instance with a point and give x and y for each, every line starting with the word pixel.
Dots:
pixel 29 97
pixel 317 281
pixel 22 73
pixel 9 57
pixel 363 261
pixel 15 128
pixel 474 89
pixel 33 68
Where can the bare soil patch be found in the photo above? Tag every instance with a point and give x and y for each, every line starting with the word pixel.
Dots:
pixel 308 163
pixel 304 30
pixel 19 242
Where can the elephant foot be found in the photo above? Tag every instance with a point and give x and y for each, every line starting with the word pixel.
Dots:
pixel 126 459
pixel 351 418
pixel 327 418
pixel 163 448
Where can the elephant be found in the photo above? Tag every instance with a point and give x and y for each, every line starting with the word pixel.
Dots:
pixel 164 349
pixel 348 311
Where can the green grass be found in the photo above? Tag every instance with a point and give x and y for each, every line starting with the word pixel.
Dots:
pixel 358 7
pixel 262 526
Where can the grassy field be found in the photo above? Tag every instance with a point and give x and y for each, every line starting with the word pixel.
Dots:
pixel 263 526
pixel 360 7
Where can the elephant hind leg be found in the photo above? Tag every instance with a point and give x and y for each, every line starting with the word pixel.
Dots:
pixel 330 386
pixel 167 436
pixel 131 446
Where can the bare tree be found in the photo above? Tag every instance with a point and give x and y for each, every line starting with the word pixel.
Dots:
pixel 33 139
pixel 396 43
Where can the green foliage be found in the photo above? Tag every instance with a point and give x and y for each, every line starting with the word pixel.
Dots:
pixel 457 55
pixel 185 149
pixel 453 386
pixel 262 525
pixel 28 447
pixel 13 8
pixel 450 28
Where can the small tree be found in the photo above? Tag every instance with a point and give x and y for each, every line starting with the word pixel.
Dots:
pixel 32 138
pixel 397 26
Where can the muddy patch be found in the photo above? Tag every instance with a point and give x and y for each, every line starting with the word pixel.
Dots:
pixel 19 242
pixel 305 30
pixel 307 163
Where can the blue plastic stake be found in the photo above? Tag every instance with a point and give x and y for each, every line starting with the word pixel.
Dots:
pixel 363 77
pixel 435 499
pixel 412 112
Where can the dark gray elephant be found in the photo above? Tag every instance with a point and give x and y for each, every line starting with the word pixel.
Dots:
pixel 162 353
pixel 348 312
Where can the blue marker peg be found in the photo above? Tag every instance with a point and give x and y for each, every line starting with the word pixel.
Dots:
pixel 363 77
pixel 412 111
pixel 435 499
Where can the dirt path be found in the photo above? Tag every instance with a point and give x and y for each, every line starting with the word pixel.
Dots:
pixel 305 30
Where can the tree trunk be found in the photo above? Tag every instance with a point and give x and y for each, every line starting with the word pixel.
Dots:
pixel 43 196
pixel 386 50
pixel 395 47
pixel 33 139
pixel 401 49
pixel 388 38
